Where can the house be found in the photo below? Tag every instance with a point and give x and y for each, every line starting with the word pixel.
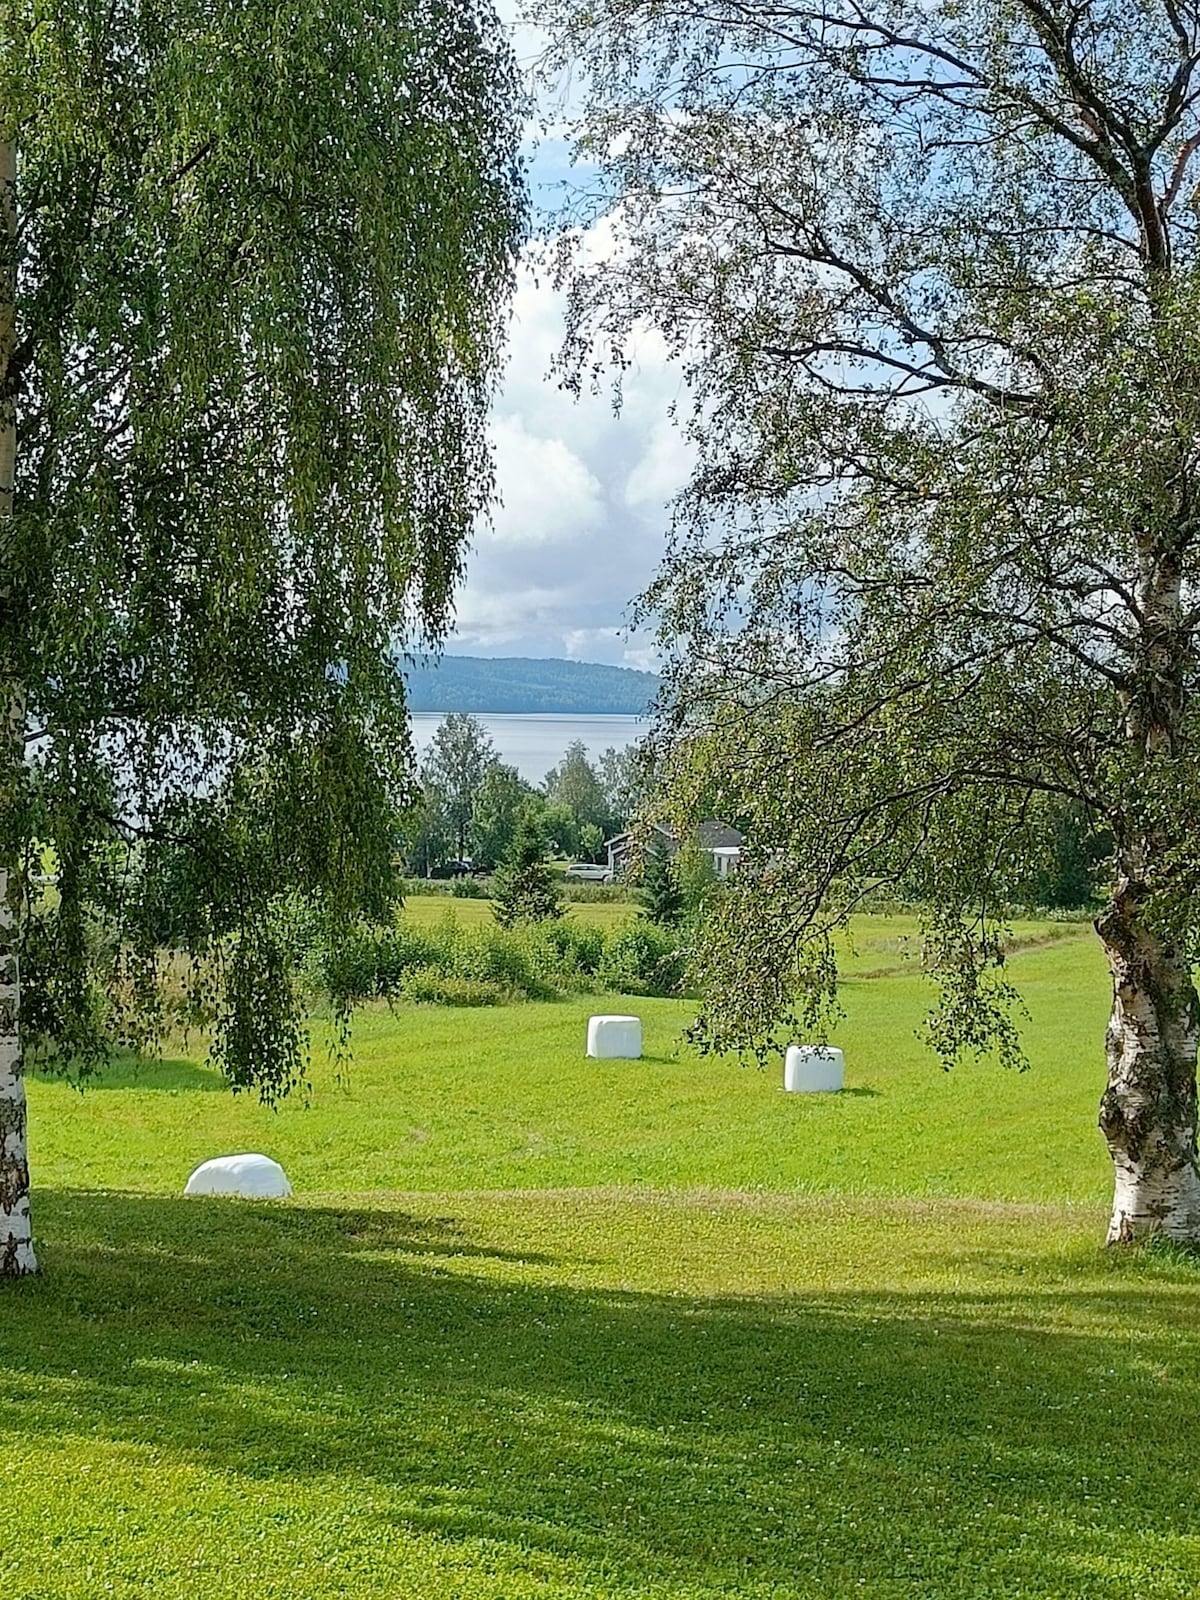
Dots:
pixel 716 839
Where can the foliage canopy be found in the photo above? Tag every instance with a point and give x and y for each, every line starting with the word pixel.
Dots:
pixel 933 273
pixel 933 276
pixel 261 265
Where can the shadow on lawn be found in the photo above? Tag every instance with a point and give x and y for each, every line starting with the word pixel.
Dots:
pixel 149 1072
pixel 951 1443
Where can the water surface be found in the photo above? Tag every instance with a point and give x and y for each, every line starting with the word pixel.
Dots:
pixel 534 743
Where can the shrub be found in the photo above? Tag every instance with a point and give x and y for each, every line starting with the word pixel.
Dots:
pixel 596 893
pixel 404 949
pixel 643 959
pixel 568 954
pixel 351 969
pixel 450 964
pixel 494 955
pixel 470 889
pixel 371 962
pixel 431 986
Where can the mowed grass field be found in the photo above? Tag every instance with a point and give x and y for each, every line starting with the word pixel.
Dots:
pixel 426 909
pixel 538 1326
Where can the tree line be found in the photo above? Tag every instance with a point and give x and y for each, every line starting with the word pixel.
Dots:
pixel 472 805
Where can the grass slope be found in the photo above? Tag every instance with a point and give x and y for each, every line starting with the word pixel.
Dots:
pixel 634 1330
pixel 595 1394
pixel 439 1098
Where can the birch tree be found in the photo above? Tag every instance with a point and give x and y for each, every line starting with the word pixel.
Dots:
pixel 458 758
pixel 256 260
pixel 573 783
pixel 932 271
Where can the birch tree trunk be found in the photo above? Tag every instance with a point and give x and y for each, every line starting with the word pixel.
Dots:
pixel 1148 1112
pixel 16 1245
pixel 16 1239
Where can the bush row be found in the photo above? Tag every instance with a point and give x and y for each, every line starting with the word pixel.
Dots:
pixel 450 964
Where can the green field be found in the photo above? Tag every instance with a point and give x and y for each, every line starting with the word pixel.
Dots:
pixel 537 1326
pixel 426 909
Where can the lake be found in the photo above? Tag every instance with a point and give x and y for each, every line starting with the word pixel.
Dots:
pixel 535 743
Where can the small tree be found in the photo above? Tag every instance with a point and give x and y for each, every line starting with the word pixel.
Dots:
pixel 659 892
pixel 497 809
pixel 591 841
pixel 524 889
pixel 459 755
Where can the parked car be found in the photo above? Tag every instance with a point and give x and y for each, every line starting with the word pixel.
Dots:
pixel 451 869
pixel 586 872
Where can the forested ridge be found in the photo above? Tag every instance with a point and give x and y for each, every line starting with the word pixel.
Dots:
pixel 518 685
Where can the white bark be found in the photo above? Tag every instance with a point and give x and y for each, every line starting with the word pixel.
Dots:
pixel 1149 1200
pixel 16 1238
pixel 1148 1113
pixel 16 1245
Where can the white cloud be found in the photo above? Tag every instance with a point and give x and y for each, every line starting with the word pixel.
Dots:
pixel 547 494
pixel 493 619
pixel 582 528
pixel 642 657
pixel 579 642
pixel 663 469
pixel 613 646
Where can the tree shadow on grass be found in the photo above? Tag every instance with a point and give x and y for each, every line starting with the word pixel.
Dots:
pixel 949 1443
pixel 167 1075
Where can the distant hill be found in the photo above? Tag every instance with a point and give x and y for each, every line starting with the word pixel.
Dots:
pixel 513 684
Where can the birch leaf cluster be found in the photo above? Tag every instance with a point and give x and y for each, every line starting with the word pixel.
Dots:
pixel 258 278
pixel 931 272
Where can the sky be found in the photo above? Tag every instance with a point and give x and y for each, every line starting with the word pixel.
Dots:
pixel 583 513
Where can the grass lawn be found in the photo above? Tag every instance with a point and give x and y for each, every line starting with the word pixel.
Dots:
pixel 424 909
pixel 536 1326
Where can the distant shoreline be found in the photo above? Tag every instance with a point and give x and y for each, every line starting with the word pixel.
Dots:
pixel 521 687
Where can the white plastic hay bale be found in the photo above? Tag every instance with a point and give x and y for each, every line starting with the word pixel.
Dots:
pixel 814 1069
pixel 256 1177
pixel 612 1038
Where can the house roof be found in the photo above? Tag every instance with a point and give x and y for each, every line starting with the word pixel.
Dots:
pixel 623 838
pixel 719 836
pixel 710 835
